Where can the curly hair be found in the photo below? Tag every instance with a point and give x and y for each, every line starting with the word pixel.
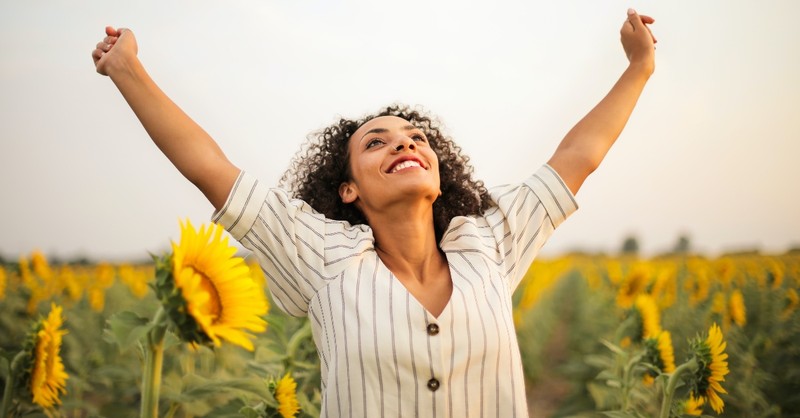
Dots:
pixel 323 164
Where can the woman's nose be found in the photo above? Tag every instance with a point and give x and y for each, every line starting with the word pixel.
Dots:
pixel 403 143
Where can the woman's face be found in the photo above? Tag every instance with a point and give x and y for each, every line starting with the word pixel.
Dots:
pixel 391 162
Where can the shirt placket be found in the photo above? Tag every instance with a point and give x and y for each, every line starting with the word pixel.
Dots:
pixel 434 380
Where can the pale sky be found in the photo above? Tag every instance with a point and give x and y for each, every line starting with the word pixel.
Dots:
pixel 712 149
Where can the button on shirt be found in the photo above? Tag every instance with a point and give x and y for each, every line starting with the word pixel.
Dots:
pixel 382 353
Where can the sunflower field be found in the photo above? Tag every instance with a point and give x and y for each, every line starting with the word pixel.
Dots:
pixel 191 334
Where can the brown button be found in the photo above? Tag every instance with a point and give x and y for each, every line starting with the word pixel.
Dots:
pixel 433 384
pixel 433 329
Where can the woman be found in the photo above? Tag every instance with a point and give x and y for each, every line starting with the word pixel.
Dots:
pixel 404 264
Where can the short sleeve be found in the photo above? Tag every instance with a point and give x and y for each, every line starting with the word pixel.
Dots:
pixel 298 249
pixel 526 216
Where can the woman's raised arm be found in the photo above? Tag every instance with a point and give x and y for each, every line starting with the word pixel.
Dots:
pixel 586 144
pixel 193 152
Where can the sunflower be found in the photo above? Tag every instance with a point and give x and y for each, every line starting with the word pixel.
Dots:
pixel 713 366
pixel 32 283
pixel 659 352
pixel 286 395
pixel 208 293
pixel 664 287
pixel 698 283
pixel 736 308
pixel 47 375
pixel 103 278
pixel 648 311
pixel 792 301
pixel 634 284
pixel 666 353
pixel 3 281
pixel 773 276
pixel 136 278
pixel 72 285
pixel 40 266
pixel 726 269
pixel 693 406
pixel 718 304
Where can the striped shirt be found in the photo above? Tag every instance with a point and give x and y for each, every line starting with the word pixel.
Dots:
pixel 382 353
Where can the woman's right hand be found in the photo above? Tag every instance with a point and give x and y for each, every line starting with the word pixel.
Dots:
pixel 638 41
pixel 118 45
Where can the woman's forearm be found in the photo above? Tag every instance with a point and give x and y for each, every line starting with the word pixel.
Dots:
pixel 588 142
pixel 590 139
pixel 193 152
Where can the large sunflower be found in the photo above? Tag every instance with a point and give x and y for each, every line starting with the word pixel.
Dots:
pixel 215 287
pixel 48 377
pixel 713 366
pixel 285 394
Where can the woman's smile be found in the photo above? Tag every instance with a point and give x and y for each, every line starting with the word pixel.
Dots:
pixel 405 162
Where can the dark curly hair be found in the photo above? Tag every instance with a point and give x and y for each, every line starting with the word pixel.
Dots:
pixel 323 164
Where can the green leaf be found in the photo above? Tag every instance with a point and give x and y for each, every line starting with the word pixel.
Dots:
pixel 603 396
pixel 306 406
pixel 126 328
pixel 606 375
pixel 231 409
pixel 265 354
pixel 258 411
pixel 171 340
pixel 599 361
pixel 197 388
pixel 298 337
pixel 613 347
pixel 7 355
pixel 305 365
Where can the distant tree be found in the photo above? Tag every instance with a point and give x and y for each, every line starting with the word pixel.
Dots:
pixel 630 246
pixel 683 245
pixel 80 260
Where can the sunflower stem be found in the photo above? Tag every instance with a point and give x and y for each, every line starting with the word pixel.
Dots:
pixel 154 359
pixel 8 392
pixel 672 384
pixel 173 408
pixel 626 379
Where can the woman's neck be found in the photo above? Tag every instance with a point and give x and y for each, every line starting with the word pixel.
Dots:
pixel 405 240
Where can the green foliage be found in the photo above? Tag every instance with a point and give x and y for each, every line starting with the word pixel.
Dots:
pixel 570 339
pixel 764 357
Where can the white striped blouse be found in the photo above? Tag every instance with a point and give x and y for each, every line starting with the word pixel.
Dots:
pixel 381 353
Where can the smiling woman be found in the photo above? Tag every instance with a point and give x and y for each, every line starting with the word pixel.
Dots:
pixel 403 262
pixel 317 172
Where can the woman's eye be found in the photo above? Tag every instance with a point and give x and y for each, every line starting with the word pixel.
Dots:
pixel 418 137
pixel 374 142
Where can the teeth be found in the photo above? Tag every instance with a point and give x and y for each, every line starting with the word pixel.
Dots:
pixel 405 164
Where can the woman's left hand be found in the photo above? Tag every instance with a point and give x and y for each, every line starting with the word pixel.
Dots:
pixel 638 41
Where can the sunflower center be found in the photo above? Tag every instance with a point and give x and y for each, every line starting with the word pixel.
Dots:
pixel 213 306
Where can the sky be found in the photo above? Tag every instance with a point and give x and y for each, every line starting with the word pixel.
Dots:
pixel 711 150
